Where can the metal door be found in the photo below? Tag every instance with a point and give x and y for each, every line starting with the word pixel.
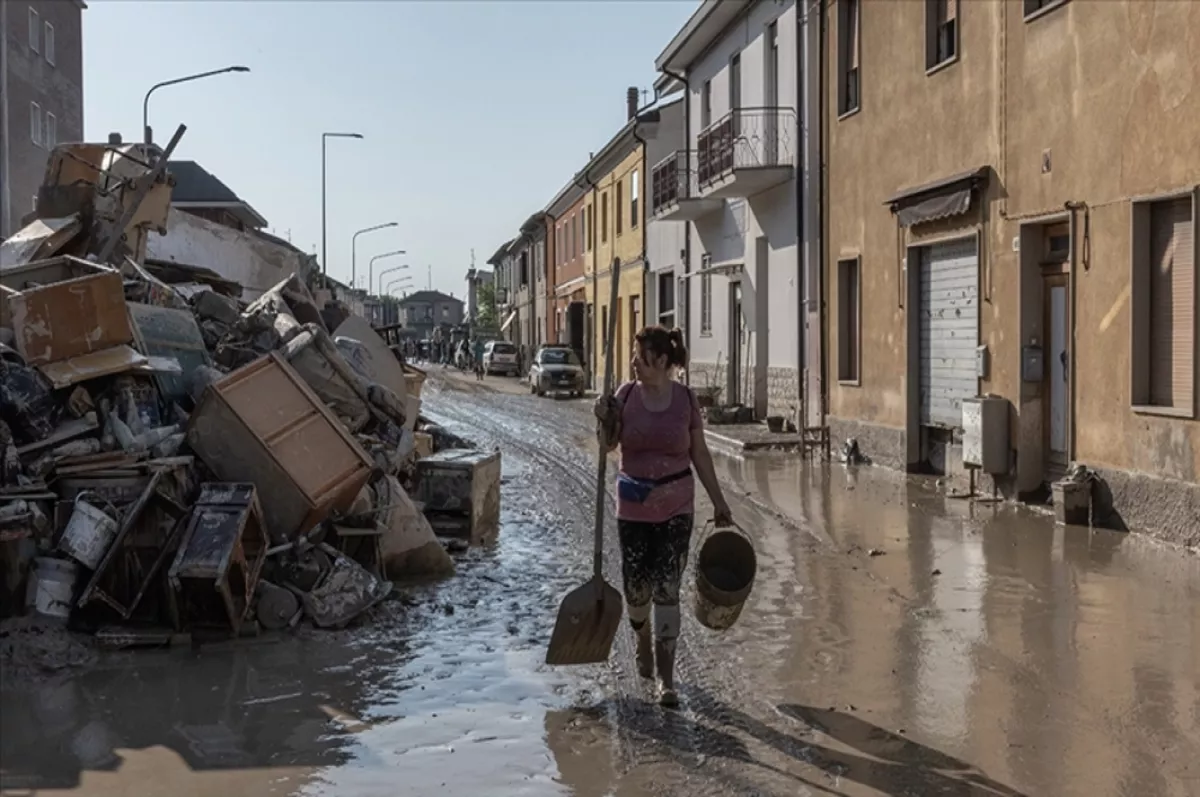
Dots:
pixel 737 333
pixel 1056 375
pixel 949 336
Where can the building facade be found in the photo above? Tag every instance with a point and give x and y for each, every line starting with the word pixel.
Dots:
pixel 738 186
pixel 666 241
pixel 41 96
pixel 571 251
pixel 423 311
pixel 995 228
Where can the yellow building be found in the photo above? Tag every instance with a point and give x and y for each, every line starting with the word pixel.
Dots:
pixel 615 233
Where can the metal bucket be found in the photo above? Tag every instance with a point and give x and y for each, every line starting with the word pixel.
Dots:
pixel 52 587
pixel 725 570
pixel 88 534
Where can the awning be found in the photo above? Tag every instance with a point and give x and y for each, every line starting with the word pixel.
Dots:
pixel 508 321
pixel 941 199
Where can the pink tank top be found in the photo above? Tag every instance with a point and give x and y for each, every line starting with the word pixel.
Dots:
pixel 655 445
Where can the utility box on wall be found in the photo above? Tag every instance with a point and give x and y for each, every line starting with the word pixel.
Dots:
pixel 985 434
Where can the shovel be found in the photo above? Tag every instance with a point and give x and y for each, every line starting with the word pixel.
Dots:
pixel 589 615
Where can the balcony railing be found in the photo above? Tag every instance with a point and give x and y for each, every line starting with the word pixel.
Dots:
pixel 746 138
pixel 672 179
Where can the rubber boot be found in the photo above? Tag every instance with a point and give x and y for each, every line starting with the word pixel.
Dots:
pixel 664 650
pixel 645 651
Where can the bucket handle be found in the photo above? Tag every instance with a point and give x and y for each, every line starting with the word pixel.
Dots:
pixel 710 527
pixel 98 499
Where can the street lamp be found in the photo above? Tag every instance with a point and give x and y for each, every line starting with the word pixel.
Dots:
pixel 324 260
pixel 147 133
pixel 387 271
pixel 354 251
pixel 397 281
pixel 371 265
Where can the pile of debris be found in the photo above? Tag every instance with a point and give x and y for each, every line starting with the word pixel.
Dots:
pixel 174 460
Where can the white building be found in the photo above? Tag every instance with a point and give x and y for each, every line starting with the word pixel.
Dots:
pixel 738 188
pixel 666 241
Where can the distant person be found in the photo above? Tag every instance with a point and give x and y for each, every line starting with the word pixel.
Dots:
pixel 655 421
pixel 477 355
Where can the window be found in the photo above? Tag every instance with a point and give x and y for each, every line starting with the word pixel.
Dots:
pixel 666 299
pixel 848 74
pixel 51 132
pixel 706 105
pixel 604 217
pixel 941 32
pixel 706 304
pixel 583 215
pixel 570 235
pixel 1164 303
pixel 633 201
pixel 635 314
pixel 849 326
pixel 445 311
pixel 558 245
pixel 49 44
pixel 1033 8
pixel 35 123
pixel 620 206
pixel 35 30
pixel 591 224
pixel 576 226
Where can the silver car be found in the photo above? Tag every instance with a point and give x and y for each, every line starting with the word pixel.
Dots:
pixel 500 357
pixel 556 369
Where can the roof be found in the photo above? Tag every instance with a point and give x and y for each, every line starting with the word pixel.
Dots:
pixel 705 25
pixel 429 296
pixel 501 252
pixel 196 187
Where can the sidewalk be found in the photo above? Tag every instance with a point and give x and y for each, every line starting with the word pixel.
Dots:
pixel 740 439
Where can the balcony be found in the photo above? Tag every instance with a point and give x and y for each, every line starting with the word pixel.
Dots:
pixel 675 195
pixel 745 152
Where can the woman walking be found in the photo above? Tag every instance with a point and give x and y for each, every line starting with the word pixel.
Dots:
pixel 655 421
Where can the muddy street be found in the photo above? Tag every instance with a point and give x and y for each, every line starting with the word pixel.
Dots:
pixel 896 643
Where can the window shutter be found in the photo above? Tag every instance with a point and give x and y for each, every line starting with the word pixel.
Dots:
pixel 1172 304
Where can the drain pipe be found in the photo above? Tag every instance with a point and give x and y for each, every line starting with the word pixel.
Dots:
pixel 822 211
pixel 1072 289
pixel 686 324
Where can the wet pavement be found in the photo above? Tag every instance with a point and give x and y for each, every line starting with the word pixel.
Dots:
pixel 897 643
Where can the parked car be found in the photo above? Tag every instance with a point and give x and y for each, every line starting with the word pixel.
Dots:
pixel 500 357
pixel 556 369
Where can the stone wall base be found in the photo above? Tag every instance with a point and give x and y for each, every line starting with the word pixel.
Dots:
pixel 1165 509
pixel 783 387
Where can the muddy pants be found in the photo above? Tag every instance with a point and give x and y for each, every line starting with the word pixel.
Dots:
pixel 653 558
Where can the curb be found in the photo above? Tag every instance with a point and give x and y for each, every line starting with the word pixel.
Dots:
pixel 731 446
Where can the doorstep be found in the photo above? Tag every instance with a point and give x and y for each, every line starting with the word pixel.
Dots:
pixel 740 439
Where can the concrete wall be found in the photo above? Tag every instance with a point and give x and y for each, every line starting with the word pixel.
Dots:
pixel 734 233
pixel 29 78
pixel 1086 103
pixel 256 264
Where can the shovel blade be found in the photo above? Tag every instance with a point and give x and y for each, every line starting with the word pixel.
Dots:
pixel 587 622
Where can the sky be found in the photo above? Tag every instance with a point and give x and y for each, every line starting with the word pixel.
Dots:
pixel 474 114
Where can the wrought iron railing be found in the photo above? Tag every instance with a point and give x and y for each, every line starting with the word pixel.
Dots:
pixel 672 179
pixel 742 139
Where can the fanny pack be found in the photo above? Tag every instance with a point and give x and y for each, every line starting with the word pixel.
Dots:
pixel 636 491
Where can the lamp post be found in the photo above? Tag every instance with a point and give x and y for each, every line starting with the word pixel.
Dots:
pixel 371 265
pixel 324 260
pixel 147 133
pixel 387 271
pixel 397 281
pixel 354 251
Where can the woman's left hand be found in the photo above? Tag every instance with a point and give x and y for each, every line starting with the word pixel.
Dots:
pixel 722 516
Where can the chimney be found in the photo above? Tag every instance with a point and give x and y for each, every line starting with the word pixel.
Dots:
pixel 631 101
pixel 114 139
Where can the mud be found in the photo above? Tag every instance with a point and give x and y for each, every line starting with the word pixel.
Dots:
pixel 981 651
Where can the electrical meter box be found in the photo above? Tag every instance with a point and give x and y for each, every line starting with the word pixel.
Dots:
pixel 1032 365
pixel 985 434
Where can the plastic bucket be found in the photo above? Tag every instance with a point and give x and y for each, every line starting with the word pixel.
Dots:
pixel 52 587
pixel 88 534
pixel 725 570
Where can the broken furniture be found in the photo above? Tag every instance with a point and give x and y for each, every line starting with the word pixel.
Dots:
pixel 262 424
pixel 220 557
pixel 346 590
pixel 460 490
